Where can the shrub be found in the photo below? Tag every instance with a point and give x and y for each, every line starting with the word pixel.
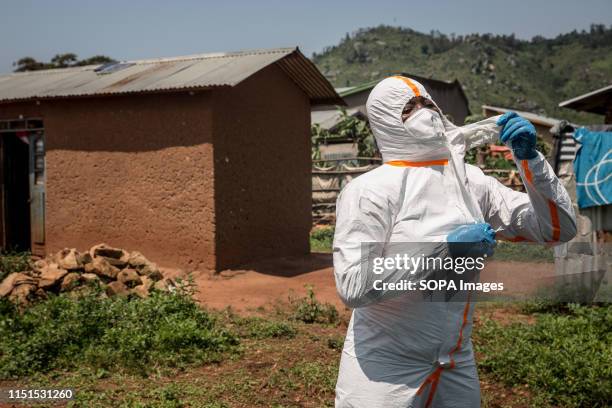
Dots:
pixel 565 359
pixel 13 262
pixel 310 310
pixel 136 335
pixel 335 342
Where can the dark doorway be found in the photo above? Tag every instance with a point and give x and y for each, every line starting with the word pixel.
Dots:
pixel 16 194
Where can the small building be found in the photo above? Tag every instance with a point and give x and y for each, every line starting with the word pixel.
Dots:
pixel 201 162
pixel 448 95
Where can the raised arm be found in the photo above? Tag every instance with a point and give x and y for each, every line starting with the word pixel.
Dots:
pixel 544 214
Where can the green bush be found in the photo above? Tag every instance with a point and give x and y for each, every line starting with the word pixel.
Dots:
pixel 565 359
pixel 321 239
pixel 136 335
pixel 13 262
pixel 310 310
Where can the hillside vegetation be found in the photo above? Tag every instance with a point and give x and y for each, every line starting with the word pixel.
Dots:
pixel 532 75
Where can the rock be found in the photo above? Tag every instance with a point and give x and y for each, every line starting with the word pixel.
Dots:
pixel 117 288
pixel 137 260
pixel 23 294
pixel 156 275
pixel 117 263
pixel 13 280
pixel 163 285
pixel 106 251
pixel 100 266
pixel 39 265
pixel 147 282
pixel 103 270
pixel 68 259
pixel 90 278
pixel 71 281
pixel 40 294
pixel 129 277
pixel 141 291
pixel 85 258
pixel 51 276
pixel 152 271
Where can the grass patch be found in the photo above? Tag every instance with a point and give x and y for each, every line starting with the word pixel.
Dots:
pixel 565 358
pixel 260 328
pixel 107 334
pixel 521 252
pixel 317 377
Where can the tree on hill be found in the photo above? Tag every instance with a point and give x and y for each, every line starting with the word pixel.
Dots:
pixel 59 61
pixel 530 75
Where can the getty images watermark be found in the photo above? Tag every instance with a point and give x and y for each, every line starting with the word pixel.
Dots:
pixel 403 272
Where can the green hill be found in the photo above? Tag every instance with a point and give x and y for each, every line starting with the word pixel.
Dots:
pixel 532 75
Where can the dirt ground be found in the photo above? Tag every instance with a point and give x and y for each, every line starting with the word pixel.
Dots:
pixel 266 282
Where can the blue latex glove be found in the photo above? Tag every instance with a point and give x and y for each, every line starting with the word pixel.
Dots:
pixel 472 240
pixel 520 134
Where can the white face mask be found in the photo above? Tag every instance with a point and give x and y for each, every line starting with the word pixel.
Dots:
pixel 426 126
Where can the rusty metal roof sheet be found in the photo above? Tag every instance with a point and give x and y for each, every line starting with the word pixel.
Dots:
pixel 168 74
pixel 532 117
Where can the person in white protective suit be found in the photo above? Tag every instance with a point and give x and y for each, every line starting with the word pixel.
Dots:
pixel 401 353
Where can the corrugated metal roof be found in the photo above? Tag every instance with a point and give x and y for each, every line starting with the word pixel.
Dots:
pixel 168 74
pixel 426 82
pixel 597 101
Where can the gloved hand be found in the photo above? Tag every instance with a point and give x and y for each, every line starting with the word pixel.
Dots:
pixel 520 134
pixel 472 240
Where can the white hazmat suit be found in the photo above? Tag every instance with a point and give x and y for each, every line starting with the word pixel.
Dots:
pixel 399 353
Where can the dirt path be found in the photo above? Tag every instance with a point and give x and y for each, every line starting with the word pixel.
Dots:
pixel 265 283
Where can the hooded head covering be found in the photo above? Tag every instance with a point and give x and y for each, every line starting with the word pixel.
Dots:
pixel 384 106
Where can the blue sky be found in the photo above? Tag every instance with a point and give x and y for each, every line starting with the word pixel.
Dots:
pixel 147 29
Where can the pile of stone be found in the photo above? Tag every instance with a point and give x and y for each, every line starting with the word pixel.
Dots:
pixel 114 270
